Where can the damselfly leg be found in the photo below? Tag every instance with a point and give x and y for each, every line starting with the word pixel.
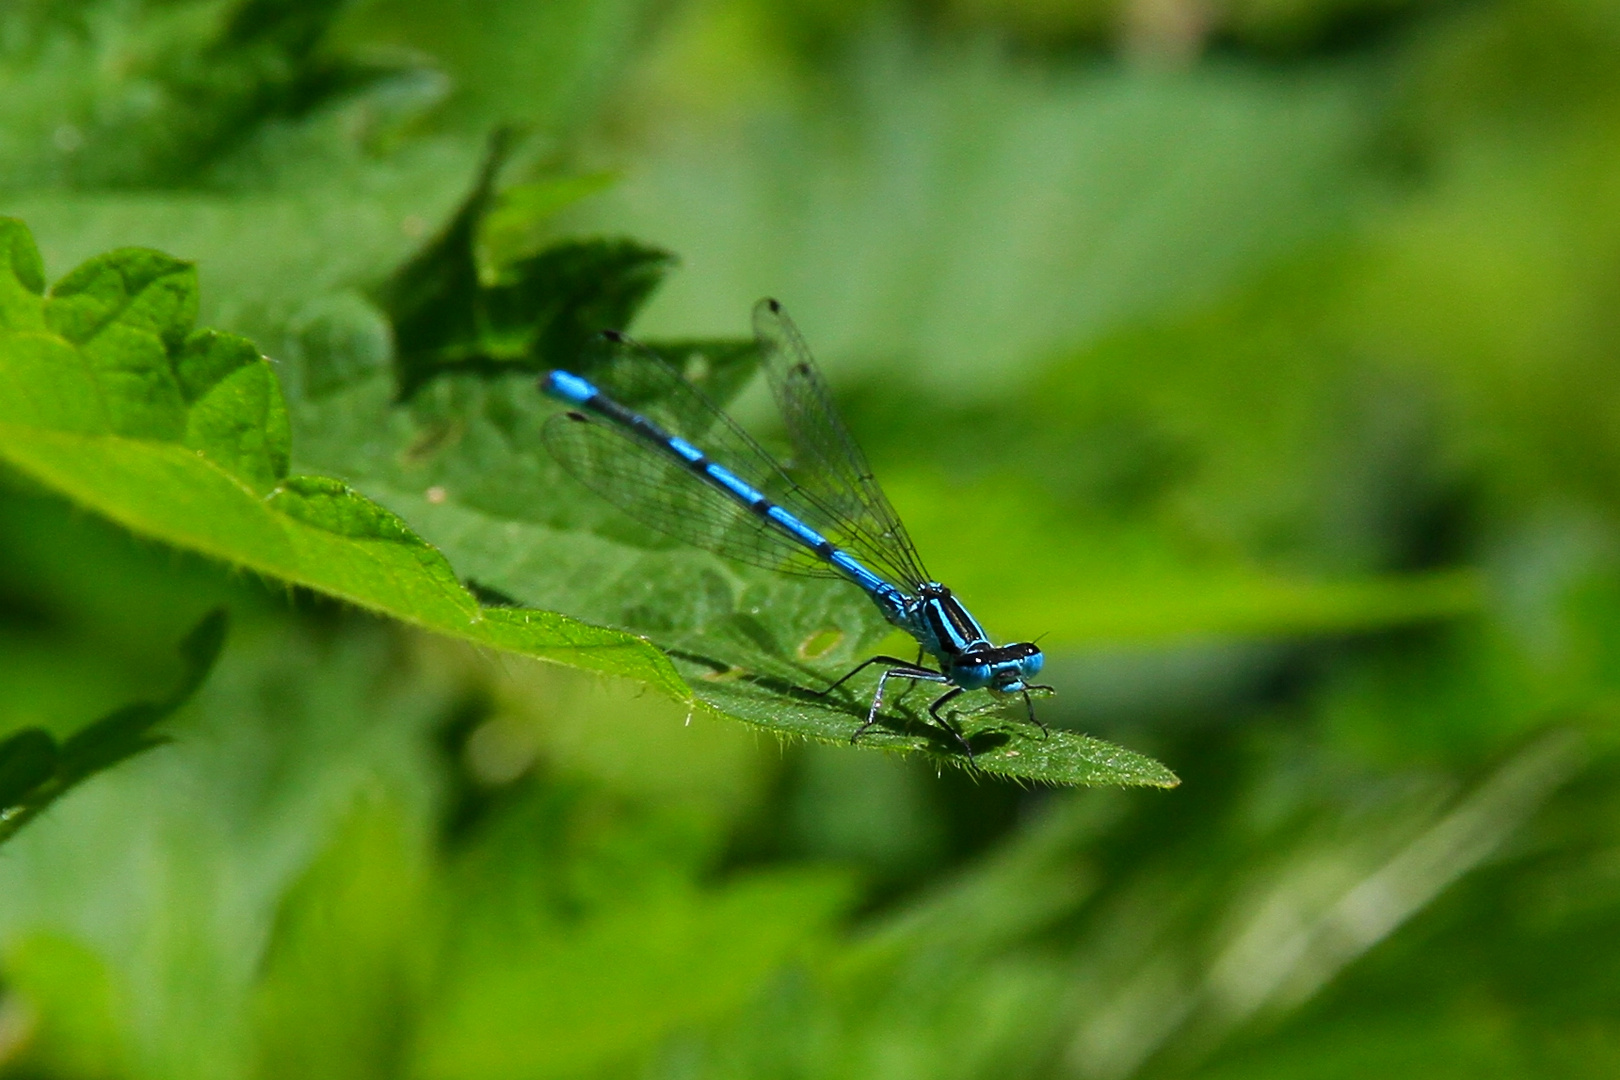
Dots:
pixel 916 675
pixel 1030 705
pixel 905 670
pixel 933 711
pixel 864 664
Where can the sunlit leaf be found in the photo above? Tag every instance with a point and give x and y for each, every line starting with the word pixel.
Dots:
pixel 182 440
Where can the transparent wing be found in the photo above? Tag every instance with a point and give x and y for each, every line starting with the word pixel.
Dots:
pixel 662 495
pixel 641 480
pixel 676 387
pixel 828 465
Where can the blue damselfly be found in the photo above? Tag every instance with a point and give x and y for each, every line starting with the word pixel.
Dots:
pixel 822 516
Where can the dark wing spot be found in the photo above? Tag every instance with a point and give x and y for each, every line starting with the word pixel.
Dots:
pixel 613 335
pixel 775 307
pixel 801 369
pixel 578 416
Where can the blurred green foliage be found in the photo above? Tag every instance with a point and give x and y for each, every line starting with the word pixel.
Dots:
pixel 36 769
pixel 1261 352
pixel 112 398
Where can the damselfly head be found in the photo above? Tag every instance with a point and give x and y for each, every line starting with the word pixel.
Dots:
pixel 1021 663
pixel 1006 669
pixel 1030 658
pixel 1024 661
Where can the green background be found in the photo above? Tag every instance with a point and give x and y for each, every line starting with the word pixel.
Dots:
pixel 1262 356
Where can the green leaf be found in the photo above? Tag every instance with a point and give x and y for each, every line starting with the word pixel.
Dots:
pixel 1003 745
pixel 183 436
pixel 189 446
pixel 35 771
pixel 466 471
pixel 23 280
pixel 294 735
pixel 344 966
pixel 124 312
pixel 465 468
pixel 515 224
pixel 570 1001
pixel 547 307
pixel 237 417
pixel 312 532
pixel 27 760
pixel 206 75
pixel 432 298
pixel 534 312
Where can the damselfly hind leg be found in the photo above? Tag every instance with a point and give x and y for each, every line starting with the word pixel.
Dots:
pixel 862 666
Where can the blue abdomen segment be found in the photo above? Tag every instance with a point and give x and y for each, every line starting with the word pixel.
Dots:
pixel 570 388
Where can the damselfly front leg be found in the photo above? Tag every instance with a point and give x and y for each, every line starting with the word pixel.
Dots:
pixel 1030 705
